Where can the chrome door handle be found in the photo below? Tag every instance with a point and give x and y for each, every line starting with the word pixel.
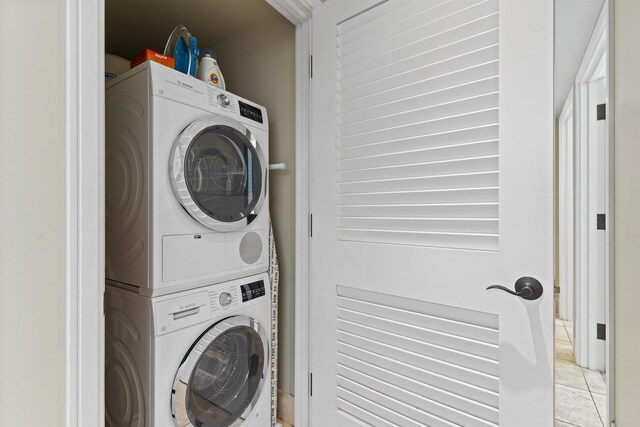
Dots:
pixel 526 287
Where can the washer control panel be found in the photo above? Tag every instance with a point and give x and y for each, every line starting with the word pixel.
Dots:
pixel 225 299
pixel 176 311
pixel 251 291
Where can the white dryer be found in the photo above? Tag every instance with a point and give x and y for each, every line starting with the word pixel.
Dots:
pixel 196 358
pixel 186 182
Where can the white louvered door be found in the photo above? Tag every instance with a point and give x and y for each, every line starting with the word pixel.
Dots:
pixel 431 179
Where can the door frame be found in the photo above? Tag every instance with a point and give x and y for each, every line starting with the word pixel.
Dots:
pixel 599 49
pixel 592 68
pixel 566 210
pixel 84 136
pixel 84 28
pixel 299 13
pixel 610 238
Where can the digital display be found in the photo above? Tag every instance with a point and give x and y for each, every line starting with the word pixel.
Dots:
pixel 250 112
pixel 252 291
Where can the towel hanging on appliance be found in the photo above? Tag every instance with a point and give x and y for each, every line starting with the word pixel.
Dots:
pixel 274 278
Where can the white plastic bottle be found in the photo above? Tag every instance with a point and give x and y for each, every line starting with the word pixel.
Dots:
pixel 208 69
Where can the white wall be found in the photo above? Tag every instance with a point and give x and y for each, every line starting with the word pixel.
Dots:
pixel 565 214
pixel 259 64
pixel 627 211
pixel 32 213
pixel 574 20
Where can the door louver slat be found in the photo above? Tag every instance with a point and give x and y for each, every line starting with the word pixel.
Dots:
pixel 422 170
pixel 454 181
pixel 415 102
pixel 418 124
pixel 371 57
pixel 423 142
pixel 471 66
pixel 399 158
pixel 422 25
pixel 388 75
pixel 442 225
pixel 432 112
pixel 433 364
pixel 391 18
pixel 444 210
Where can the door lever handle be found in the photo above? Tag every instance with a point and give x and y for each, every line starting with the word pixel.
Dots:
pixel 526 287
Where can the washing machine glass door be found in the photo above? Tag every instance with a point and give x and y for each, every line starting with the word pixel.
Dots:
pixel 218 173
pixel 222 376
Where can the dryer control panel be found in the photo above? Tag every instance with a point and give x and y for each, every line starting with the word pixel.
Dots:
pixel 250 112
pixel 174 85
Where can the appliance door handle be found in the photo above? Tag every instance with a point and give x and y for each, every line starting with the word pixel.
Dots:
pixel 526 287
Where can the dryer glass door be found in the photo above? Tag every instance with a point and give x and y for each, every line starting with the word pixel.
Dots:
pixel 217 170
pixel 222 376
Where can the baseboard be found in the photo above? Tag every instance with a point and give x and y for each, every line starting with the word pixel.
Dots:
pixel 285 407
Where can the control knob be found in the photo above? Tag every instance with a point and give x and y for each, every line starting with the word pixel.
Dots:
pixel 224 100
pixel 225 299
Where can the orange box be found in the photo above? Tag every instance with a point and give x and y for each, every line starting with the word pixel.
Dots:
pixel 150 55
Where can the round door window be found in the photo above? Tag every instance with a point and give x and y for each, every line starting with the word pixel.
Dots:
pixel 217 172
pixel 226 378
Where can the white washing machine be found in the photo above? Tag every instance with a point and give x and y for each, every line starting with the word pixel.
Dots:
pixel 186 182
pixel 196 358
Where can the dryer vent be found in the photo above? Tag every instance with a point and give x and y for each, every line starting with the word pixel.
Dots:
pixel 251 248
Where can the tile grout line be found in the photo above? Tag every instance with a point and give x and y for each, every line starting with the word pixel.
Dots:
pixel 597 409
pixel 582 371
pixel 591 395
pixel 591 392
pixel 567 331
pixel 602 416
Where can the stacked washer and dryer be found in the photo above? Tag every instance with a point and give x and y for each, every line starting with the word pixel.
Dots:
pixel 188 308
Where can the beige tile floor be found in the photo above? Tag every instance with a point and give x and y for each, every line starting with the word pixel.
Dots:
pixel 580 393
